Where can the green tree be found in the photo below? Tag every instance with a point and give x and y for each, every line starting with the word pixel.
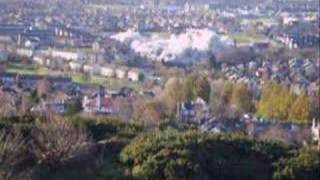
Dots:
pixel 74 107
pixel 34 97
pixel 304 164
pixel 191 155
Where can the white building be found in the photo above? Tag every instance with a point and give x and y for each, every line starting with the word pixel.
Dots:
pixel 99 103
pixel 25 52
pixel 92 69
pixel 75 66
pixel 134 75
pixel 41 60
pixel 107 71
pixel 315 130
pixel 121 73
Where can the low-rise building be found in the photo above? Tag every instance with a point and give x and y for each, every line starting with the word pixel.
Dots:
pixel 121 73
pixel 135 75
pixel 76 66
pixel 107 71
pixel 98 103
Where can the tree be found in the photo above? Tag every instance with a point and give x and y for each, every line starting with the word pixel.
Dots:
pixel 190 88
pixel 300 110
pixel 220 97
pixel 242 98
pixel 34 98
pixel 173 154
pixel 275 102
pixel 8 104
pixel 174 94
pixel 43 88
pixel 154 113
pixel 74 107
pixel 304 164
pixel 11 148
pixel 203 88
pixel 57 141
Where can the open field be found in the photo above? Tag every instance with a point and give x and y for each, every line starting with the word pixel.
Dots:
pixel 79 78
pixel 247 37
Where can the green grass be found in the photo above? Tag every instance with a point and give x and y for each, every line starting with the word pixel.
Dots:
pixel 110 83
pixel 263 20
pixel 246 37
pixel 26 69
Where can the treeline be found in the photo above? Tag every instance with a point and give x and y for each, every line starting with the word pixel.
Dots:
pixel 277 102
pixel 228 99
pixel 77 148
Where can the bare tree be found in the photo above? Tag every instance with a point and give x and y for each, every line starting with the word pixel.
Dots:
pixel 43 87
pixel 8 104
pixel 58 141
pixel 11 146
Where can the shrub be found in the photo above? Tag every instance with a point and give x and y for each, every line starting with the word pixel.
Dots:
pixel 304 164
pixel 191 155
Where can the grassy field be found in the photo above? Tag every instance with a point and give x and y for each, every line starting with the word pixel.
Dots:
pixel 246 37
pixel 26 69
pixel 263 20
pixel 111 83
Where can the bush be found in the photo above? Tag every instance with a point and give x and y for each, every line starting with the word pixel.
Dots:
pixel 304 164
pixel 191 155
pixel 104 128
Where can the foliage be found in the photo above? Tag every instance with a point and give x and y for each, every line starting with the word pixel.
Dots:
pixel 300 110
pixel 242 98
pixel 104 128
pixel 74 108
pixel 278 102
pixel 304 164
pixel 191 155
pixel 231 99
pixel 153 113
pixel 186 89
pixel 34 97
pixel 203 88
pixel 174 93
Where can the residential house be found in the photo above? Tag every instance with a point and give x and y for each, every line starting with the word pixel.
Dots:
pixel 92 69
pixel 121 73
pixel 76 66
pixel 195 111
pixel 98 103
pixel 135 75
pixel 107 71
pixel 25 52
